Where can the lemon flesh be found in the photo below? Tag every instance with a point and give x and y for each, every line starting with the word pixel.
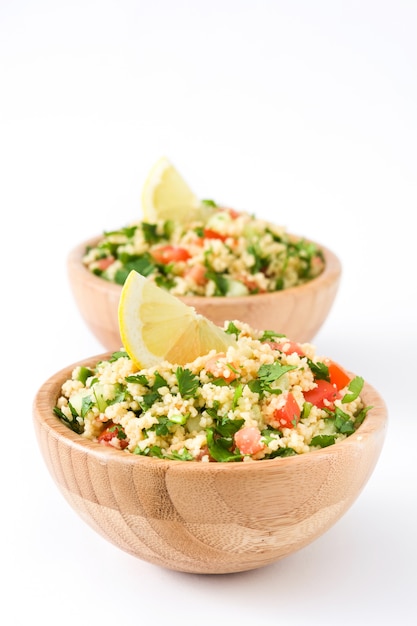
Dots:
pixel 156 326
pixel 166 196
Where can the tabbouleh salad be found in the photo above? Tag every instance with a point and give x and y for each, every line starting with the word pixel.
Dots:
pixel 266 397
pixel 231 254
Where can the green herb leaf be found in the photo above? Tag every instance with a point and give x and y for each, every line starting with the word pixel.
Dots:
pixel 150 232
pixel 142 264
pixel 361 416
pixel 187 382
pixel 322 441
pixel 159 382
pixel 137 378
pixel 120 354
pixel 232 329
pixel 270 335
pixel 127 231
pixel 149 451
pixel 270 372
pixel 343 423
pixel 256 386
pixel 226 427
pixel 283 452
pixel 320 370
pixel 237 394
pixel 183 455
pixel 149 399
pixel 73 424
pixel 86 404
pixel 219 448
pixel 221 283
pixel 355 387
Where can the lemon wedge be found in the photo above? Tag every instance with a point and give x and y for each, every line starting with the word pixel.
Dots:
pixel 156 326
pixel 166 196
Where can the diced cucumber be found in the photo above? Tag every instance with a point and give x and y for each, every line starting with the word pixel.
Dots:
pixel 236 288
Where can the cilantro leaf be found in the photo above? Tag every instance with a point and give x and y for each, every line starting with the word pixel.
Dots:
pixel 73 424
pixel 237 395
pixel 323 440
pixel 283 452
pixel 137 378
pixel 343 423
pixel 232 329
pixel 221 283
pixel 86 404
pixel 355 387
pixel 226 427
pixel 270 372
pixel 187 382
pixel 149 451
pixel 220 448
pixel 320 370
pixel 184 455
pixel 149 399
pixel 269 335
pixel 142 264
pixel 149 232
pixel 361 416
pixel 119 354
pixel 159 382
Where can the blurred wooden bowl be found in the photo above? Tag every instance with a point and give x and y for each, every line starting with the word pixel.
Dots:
pixel 208 518
pixel 297 312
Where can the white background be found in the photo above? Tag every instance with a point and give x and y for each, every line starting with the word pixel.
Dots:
pixel 304 112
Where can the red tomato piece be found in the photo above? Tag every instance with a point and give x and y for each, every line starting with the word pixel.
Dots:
pixel 338 376
pixel 323 395
pixel 197 273
pixel 288 415
pixel 213 234
pixel 170 254
pixel 288 347
pixel 232 212
pixel 248 440
pixel 219 368
pixel 103 264
pixel 109 437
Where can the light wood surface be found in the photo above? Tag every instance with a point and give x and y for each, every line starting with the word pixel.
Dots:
pixel 206 518
pixel 298 312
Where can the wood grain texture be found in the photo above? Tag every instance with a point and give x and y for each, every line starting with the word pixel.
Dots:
pixel 206 518
pixel 298 312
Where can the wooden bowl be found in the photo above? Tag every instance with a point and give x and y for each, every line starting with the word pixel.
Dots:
pixel 297 312
pixel 208 518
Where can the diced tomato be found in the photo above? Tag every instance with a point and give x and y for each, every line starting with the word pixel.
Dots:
pixel 288 415
pixel 197 273
pixel 213 234
pixel 103 264
pixel 338 376
pixel 220 369
pixel 233 213
pixel 170 254
pixel 288 347
pixel 248 440
pixel 323 395
pixel 109 437
pixel 250 283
